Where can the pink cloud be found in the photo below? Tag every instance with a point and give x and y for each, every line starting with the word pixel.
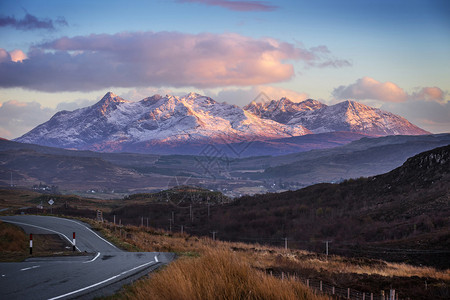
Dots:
pixel 143 59
pixel 369 88
pixel 17 55
pixel 4 56
pixel 236 5
pixel 430 94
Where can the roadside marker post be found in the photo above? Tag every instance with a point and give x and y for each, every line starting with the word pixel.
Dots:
pixel 73 242
pixel 31 243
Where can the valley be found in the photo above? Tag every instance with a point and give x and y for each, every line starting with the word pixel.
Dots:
pixel 114 175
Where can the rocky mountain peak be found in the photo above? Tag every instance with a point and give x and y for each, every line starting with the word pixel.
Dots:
pixel 114 124
pixel 108 103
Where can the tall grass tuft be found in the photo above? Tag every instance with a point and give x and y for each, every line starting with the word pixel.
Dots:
pixel 217 274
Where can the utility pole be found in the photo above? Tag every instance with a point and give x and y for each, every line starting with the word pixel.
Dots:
pixel 326 246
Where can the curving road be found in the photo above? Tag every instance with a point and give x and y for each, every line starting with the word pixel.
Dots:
pixel 85 277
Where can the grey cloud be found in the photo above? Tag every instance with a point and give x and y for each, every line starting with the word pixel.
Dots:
pixel 17 118
pixel 30 22
pixel 431 116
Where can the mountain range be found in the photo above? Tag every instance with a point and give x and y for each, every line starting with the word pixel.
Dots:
pixel 177 125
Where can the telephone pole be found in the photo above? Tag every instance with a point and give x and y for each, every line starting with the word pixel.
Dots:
pixel 326 246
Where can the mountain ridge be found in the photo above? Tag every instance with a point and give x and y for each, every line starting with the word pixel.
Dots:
pixel 114 124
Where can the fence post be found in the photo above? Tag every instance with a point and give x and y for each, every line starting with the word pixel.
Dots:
pixel 364 296
pixel 392 295
pixel 382 296
pixel 334 291
pixel 31 243
pixel 307 282
pixel 371 296
pixel 348 293
pixel 321 285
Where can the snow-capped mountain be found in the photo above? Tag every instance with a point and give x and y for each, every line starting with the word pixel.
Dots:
pixel 158 123
pixel 114 124
pixel 282 110
pixel 345 116
pixel 355 117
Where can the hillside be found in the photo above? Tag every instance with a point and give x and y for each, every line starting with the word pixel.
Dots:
pixel 402 215
pixel 133 173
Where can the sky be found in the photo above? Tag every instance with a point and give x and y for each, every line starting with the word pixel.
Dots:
pixel 62 55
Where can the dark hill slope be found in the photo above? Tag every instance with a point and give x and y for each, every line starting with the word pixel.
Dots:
pixel 402 215
pixel 408 207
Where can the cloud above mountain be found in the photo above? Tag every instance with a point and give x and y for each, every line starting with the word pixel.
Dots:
pixel 142 59
pixel 428 107
pixel 19 117
pixel 369 88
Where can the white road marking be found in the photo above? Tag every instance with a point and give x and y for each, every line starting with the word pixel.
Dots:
pixel 89 261
pixel 33 267
pixel 51 230
pixel 101 282
pixel 89 230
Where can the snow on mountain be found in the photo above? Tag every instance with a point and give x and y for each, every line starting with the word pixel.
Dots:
pixel 345 116
pixel 114 124
pixel 355 117
pixel 282 110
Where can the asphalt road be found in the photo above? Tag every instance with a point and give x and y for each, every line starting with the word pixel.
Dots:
pixel 102 273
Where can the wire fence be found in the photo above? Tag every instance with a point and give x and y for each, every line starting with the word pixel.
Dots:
pixel 338 293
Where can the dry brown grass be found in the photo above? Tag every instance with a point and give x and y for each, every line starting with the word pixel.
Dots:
pixel 336 264
pixel 12 238
pixel 217 274
pixel 264 257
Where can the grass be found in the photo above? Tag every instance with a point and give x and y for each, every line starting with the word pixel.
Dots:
pixel 208 269
pixel 217 274
pixel 15 244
